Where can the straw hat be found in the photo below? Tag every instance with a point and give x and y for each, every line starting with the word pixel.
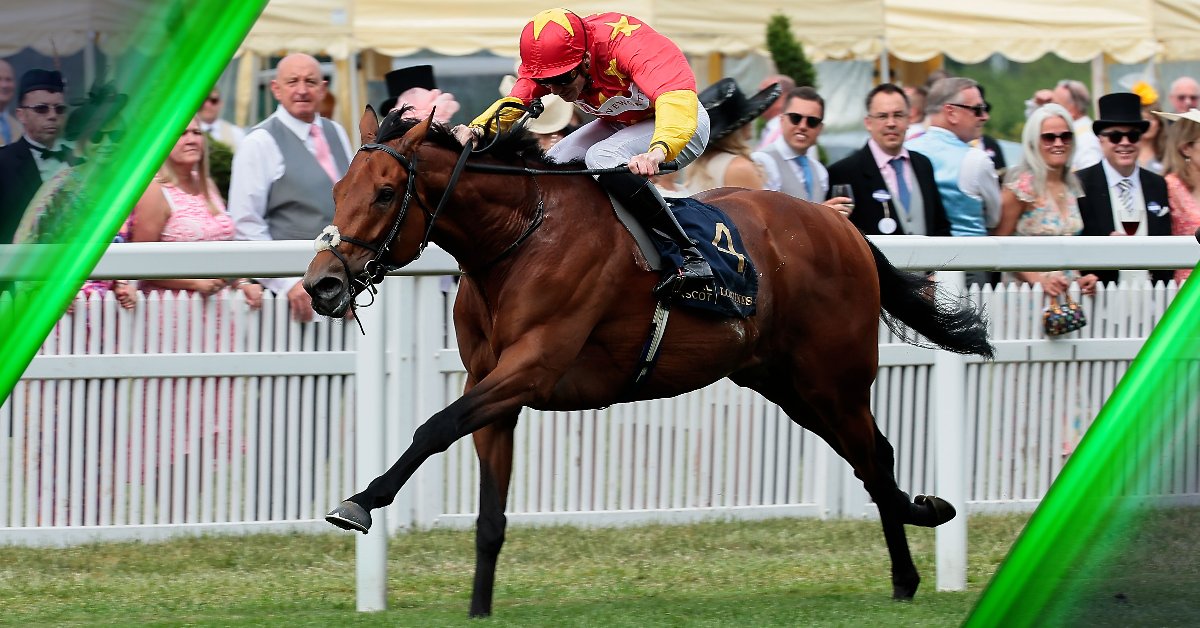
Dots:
pixel 1192 114
pixel 556 116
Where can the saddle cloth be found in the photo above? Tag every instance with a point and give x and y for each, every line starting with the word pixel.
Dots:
pixel 734 291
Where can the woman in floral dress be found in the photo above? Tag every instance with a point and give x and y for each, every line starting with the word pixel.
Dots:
pixel 1040 192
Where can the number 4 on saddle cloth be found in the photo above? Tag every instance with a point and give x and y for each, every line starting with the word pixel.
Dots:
pixel 734 291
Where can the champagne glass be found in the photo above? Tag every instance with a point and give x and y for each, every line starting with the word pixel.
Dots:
pixel 843 189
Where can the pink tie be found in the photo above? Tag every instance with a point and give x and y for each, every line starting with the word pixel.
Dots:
pixel 322 151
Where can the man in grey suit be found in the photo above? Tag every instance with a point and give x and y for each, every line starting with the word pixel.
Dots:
pixel 281 186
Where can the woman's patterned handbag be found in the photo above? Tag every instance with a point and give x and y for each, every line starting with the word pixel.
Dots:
pixel 1063 318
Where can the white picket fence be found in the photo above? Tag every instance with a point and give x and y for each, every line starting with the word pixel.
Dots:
pixel 189 416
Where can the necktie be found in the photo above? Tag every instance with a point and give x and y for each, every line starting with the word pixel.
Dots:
pixel 808 176
pixel 1125 186
pixel 321 151
pixel 897 164
pixel 4 129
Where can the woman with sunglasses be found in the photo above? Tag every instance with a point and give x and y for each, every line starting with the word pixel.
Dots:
pixel 1040 194
pixel 640 88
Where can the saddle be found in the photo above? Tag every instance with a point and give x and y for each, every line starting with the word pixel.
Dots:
pixel 734 291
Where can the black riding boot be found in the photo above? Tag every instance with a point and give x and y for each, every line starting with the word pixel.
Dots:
pixel 642 199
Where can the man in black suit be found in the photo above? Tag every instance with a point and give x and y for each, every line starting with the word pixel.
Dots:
pixel 894 189
pixel 1116 192
pixel 39 154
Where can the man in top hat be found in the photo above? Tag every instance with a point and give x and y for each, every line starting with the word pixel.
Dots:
pixel 39 154
pixel 1120 198
pixel 894 188
pixel 416 87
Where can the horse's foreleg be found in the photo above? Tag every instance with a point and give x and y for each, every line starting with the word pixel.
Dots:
pixel 494 444
pixel 524 374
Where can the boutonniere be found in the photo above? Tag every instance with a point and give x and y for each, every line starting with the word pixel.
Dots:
pixel 1157 210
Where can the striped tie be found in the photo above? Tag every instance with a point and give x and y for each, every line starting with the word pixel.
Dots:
pixel 1125 186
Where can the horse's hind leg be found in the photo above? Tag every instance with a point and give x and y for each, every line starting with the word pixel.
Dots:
pixel 494 445
pixel 858 441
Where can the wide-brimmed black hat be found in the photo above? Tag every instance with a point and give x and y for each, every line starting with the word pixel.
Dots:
pixel 404 79
pixel 729 109
pixel 102 105
pixel 34 80
pixel 1120 109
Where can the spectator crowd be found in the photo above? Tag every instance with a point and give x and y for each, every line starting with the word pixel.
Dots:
pixel 926 168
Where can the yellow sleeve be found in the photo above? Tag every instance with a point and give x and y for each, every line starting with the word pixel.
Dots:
pixel 675 120
pixel 507 117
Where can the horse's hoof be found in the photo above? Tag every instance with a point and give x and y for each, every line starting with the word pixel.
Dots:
pixel 931 511
pixel 906 589
pixel 350 516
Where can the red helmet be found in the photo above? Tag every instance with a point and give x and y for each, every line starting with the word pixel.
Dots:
pixel 552 43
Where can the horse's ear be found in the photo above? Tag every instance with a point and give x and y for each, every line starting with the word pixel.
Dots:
pixel 368 125
pixel 416 135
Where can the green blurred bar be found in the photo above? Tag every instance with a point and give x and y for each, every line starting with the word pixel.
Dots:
pixel 179 49
pixel 1120 452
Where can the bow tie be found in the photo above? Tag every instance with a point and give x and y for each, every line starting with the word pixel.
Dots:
pixel 62 154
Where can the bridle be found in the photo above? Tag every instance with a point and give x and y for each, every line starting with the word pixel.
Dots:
pixel 377 267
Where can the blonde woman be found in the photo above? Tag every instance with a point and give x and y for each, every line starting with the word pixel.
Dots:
pixel 182 204
pixel 1040 193
pixel 726 161
pixel 1181 163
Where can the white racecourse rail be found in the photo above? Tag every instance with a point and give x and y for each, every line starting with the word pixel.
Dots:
pixel 194 416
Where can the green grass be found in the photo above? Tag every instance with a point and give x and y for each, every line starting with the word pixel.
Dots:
pixel 772 573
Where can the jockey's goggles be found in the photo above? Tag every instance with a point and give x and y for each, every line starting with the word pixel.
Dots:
pixel 566 78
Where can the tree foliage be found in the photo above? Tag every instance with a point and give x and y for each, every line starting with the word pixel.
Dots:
pixel 788 53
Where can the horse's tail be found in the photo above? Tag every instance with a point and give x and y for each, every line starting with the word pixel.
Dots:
pixel 912 299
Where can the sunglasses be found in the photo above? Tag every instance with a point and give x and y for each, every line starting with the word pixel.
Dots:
pixel 797 118
pixel 112 134
pixel 1066 136
pixel 560 80
pixel 212 100
pixel 42 110
pixel 1116 136
pixel 978 110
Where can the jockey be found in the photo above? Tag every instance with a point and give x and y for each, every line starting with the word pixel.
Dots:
pixel 642 91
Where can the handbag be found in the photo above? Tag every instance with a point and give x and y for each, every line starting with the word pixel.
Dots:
pixel 1063 318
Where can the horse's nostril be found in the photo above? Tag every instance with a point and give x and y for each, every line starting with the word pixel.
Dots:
pixel 328 288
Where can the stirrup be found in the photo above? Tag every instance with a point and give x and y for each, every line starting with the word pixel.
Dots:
pixel 695 274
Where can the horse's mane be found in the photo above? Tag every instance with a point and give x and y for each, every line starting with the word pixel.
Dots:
pixel 510 147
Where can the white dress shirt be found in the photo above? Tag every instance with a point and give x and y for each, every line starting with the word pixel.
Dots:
pixel 1087 146
pixel 977 179
pixel 257 164
pixel 1113 178
pixel 774 181
pixel 47 168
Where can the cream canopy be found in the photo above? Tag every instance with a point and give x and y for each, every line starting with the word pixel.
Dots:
pixel 914 30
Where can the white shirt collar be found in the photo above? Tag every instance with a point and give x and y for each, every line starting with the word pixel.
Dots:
pixel 784 149
pixel 1113 176
pixel 296 125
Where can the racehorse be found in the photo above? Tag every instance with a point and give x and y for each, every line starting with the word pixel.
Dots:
pixel 555 301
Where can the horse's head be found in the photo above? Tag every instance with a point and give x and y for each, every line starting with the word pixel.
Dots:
pixel 375 227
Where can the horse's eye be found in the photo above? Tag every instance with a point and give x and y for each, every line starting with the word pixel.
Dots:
pixel 385 196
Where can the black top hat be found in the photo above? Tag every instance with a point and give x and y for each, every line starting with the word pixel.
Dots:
pixel 404 79
pixel 729 109
pixel 1120 109
pixel 34 80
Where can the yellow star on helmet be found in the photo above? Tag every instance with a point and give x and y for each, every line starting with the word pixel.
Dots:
pixel 558 16
pixel 622 27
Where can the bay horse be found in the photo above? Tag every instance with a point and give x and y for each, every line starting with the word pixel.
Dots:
pixel 555 302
